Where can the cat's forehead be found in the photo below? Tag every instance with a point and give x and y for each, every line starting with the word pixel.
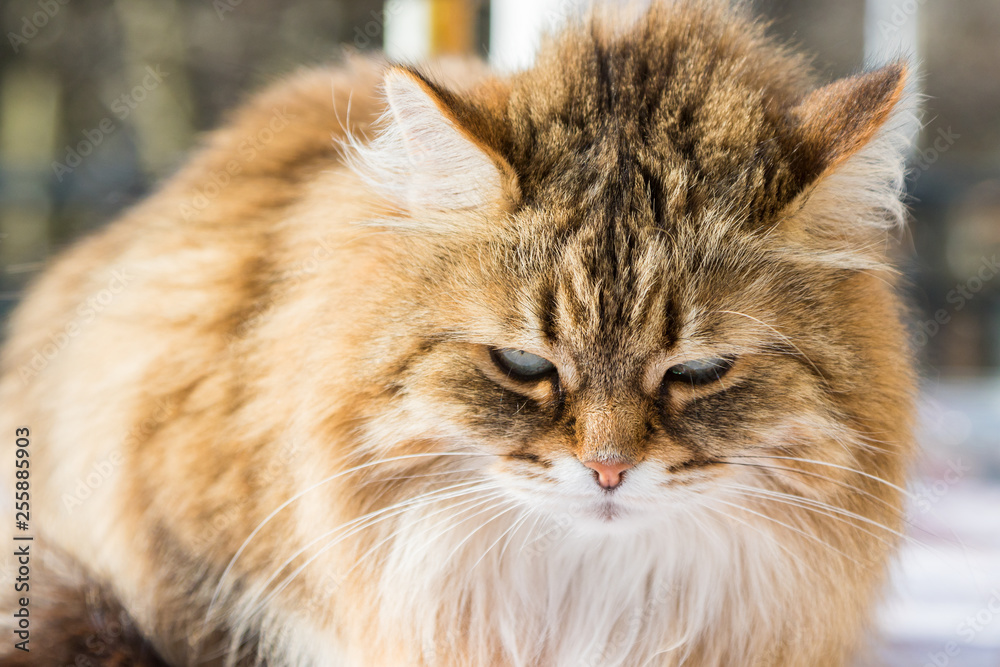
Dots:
pixel 614 289
pixel 602 287
pixel 626 119
pixel 665 176
pixel 609 283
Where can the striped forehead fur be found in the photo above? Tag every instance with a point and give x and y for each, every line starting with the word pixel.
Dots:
pixel 681 118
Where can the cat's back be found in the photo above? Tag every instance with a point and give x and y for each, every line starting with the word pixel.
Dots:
pixel 235 186
pixel 149 313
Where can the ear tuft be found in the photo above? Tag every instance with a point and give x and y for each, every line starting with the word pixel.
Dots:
pixel 423 159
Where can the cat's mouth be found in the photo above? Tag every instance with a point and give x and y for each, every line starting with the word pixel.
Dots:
pixel 609 511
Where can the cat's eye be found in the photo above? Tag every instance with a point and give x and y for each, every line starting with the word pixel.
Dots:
pixel 699 371
pixel 522 365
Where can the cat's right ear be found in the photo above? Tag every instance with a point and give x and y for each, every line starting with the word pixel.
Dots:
pixel 425 158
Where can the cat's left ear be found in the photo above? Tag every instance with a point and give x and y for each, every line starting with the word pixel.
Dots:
pixel 848 156
pixel 427 157
pixel 836 121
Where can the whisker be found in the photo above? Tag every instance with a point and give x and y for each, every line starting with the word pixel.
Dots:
pixel 447 519
pixel 517 526
pixel 291 577
pixel 816 475
pixel 824 463
pixel 773 539
pixel 527 542
pixel 781 335
pixel 817 507
pixel 374 518
pixel 805 534
pixel 425 475
pixel 823 509
pixel 489 548
pixel 280 508
pixel 865 442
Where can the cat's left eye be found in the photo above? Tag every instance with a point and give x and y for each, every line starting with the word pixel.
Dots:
pixel 699 371
pixel 522 365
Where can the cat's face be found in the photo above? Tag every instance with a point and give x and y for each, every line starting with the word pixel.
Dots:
pixel 625 315
pixel 617 370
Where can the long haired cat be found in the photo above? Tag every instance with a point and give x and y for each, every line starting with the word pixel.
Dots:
pixel 595 364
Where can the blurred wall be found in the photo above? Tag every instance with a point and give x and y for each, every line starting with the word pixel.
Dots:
pixel 99 99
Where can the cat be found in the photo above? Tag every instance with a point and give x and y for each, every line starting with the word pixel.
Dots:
pixel 598 363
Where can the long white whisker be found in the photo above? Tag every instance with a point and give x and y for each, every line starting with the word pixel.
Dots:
pixel 527 541
pixel 280 508
pixel 480 527
pixel 810 536
pixel 423 476
pixel 291 577
pixel 823 509
pixel 481 501
pixel 497 541
pixel 366 521
pixel 517 526
pixel 771 536
pixel 830 465
pixel 816 475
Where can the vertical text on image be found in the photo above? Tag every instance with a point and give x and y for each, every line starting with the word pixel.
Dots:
pixel 22 541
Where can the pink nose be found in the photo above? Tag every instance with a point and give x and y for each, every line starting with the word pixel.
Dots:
pixel 609 475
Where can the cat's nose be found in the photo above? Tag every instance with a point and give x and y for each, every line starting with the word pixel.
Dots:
pixel 609 474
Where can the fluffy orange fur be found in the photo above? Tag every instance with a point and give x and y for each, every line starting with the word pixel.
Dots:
pixel 270 412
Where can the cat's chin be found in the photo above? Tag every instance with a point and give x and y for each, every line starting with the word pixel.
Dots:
pixel 611 516
pixel 609 511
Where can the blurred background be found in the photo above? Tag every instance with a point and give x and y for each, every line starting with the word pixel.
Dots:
pixel 101 99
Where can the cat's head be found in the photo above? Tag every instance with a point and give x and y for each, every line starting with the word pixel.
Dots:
pixel 646 269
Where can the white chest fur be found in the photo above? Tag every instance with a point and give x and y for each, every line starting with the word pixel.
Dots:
pixel 541 590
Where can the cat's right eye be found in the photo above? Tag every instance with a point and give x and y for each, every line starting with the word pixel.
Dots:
pixel 522 365
pixel 699 371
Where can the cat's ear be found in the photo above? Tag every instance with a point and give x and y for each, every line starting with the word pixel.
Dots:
pixel 426 157
pixel 850 142
pixel 836 121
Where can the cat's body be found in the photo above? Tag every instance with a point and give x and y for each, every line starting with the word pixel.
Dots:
pixel 265 413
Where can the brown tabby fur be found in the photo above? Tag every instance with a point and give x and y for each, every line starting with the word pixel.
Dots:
pixel 78 624
pixel 652 194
